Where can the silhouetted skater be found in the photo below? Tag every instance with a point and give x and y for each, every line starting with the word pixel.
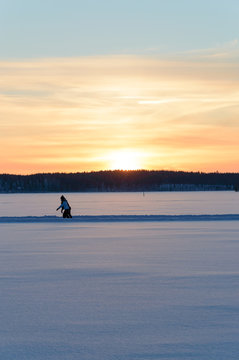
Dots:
pixel 65 208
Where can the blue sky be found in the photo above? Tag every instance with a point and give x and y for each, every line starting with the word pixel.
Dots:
pixel 66 28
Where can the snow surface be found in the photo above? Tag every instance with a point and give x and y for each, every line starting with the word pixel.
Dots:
pixel 119 290
pixel 148 203
pixel 118 218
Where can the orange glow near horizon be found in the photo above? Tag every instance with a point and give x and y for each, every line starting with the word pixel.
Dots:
pixel 125 160
pixel 90 114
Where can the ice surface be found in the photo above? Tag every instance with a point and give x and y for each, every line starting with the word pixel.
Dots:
pixel 119 290
pixel 118 218
pixel 149 203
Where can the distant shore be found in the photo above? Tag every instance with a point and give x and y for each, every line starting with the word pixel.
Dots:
pixel 117 180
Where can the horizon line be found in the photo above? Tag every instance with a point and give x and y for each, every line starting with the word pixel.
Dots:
pixel 122 171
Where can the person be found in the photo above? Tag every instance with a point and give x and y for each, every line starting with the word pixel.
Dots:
pixel 65 208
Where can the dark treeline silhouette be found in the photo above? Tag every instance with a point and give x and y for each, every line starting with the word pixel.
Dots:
pixel 133 180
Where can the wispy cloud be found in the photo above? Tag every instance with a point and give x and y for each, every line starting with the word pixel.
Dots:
pixel 70 114
pixel 227 51
pixel 160 102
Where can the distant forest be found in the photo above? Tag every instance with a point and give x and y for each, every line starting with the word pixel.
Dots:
pixel 133 180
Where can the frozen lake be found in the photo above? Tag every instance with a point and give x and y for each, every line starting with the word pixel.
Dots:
pixel 120 290
pixel 149 203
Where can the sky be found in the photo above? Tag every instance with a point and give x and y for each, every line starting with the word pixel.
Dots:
pixel 97 85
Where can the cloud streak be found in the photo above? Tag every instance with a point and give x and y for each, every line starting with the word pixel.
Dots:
pixel 71 114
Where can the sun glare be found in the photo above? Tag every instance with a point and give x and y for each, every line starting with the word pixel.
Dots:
pixel 125 160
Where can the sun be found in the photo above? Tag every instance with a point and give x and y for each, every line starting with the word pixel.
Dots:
pixel 125 160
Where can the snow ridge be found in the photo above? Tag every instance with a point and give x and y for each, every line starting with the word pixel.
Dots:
pixel 119 218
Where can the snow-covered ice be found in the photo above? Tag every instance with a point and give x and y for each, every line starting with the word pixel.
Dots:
pixel 118 218
pixel 119 290
pixel 138 203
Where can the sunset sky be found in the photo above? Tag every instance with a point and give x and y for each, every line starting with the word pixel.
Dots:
pixel 96 85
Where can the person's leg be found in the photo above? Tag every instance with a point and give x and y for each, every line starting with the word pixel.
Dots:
pixel 67 212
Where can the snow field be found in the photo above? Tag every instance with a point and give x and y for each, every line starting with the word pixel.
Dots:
pixel 119 291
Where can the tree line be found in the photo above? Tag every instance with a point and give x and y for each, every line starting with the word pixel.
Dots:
pixel 117 180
